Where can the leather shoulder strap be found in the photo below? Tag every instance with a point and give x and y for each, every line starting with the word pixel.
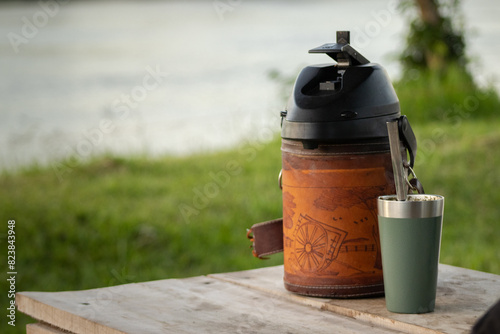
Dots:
pixel 267 238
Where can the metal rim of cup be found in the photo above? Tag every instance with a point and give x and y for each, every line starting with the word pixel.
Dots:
pixel 417 206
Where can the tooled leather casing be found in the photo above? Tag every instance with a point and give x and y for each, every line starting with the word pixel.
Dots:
pixel 330 230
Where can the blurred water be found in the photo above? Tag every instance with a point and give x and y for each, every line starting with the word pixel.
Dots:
pixel 172 77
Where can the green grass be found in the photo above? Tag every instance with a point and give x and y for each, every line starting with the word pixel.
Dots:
pixel 116 220
pixel 123 215
pixel 460 162
pixel 452 98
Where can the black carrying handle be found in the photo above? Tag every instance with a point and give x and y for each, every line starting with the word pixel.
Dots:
pixel 408 138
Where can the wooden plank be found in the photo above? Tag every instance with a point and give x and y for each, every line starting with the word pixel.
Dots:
pixel 192 305
pixel 41 328
pixel 463 295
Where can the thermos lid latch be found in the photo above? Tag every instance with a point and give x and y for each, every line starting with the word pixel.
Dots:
pixel 342 52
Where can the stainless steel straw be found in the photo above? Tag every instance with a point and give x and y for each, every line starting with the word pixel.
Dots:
pixel 397 161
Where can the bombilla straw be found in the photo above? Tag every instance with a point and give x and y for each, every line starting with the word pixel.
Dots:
pixel 397 160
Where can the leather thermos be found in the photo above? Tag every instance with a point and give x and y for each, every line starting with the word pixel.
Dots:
pixel 331 243
pixel 335 163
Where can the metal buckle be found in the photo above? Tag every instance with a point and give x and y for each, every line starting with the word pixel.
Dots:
pixel 413 184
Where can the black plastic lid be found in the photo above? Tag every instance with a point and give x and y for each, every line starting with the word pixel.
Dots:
pixel 348 101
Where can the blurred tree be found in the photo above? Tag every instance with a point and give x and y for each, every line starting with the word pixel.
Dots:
pixel 436 37
pixel 436 82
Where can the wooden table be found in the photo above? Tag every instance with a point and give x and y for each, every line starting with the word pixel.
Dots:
pixel 252 301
